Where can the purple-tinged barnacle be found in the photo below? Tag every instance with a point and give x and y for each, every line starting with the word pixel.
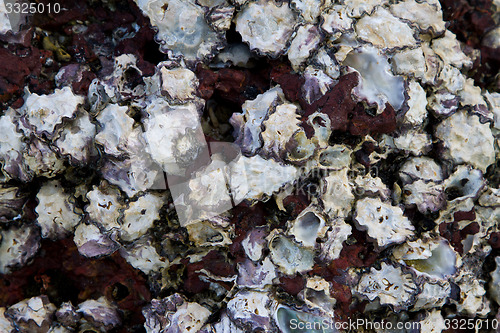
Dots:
pixel 56 211
pixel 17 247
pixel 390 285
pixel 67 315
pixel 41 160
pixel 219 16
pixel 442 103
pixel 100 313
pixel 434 294
pixel 305 42
pixel 384 223
pixel 308 226
pixel 174 314
pixel 278 129
pixel 178 84
pixel 251 310
pixel 207 233
pixel 33 314
pixel 11 147
pixel 336 20
pixel 256 275
pixel 336 235
pixel 266 18
pixel 255 243
pixel 11 203
pixel 91 242
pixel 316 84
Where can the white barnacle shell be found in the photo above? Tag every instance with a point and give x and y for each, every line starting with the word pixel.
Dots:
pixel 371 186
pixel 384 223
pixel 336 194
pixel 433 257
pixel 91 242
pixel 266 18
pixel 100 312
pixel 448 48
pixel 309 225
pixel 442 103
pixel 142 255
pixel 76 138
pixel 377 85
pixel 104 206
pixel 384 30
pixel 45 112
pixel 17 247
pixel 316 294
pixel 289 256
pixel 56 212
pixel 467 140
pixel 428 18
pixel 389 284
pixel 174 313
pixel 465 182
pixel 206 233
pixel 37 309
pixel 140 215
pixel 248 124
pixel 306 40
pixel 41 160
pixel 251 309
pixel 255 177
pixel 317 83
pixel 337 234
pixel 279 128
pixel 409 62
pixel 178 84
pixel 117 132
pixel 433 322
pixel 434 294
pixel 11 146
pixel 174 138
pixel 417 104
pixel 256 275
pixel 336 20
pixel 182 28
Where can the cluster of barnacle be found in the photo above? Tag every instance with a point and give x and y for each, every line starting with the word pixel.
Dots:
pixel 373 85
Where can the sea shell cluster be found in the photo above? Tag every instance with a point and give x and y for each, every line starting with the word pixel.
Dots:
pixel 357 178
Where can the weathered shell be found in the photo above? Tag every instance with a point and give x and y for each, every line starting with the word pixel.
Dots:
pixel 266 18
pixel 433 257
pixel 140 215
pixel 5 324
pixel 417 104
pixel 389 284
pixel 279 128
pixel 306 40
pixel 101 313
pixel 11 146
pixel 467 140
pixel 17 247
pixel 174 314
pixel 425 16
pixel 336 194
pixel 336 235
pixel 317 83
pixel 33 314
pixel 76 139
pixel 143 256
pixel 448 48
pixel 308 226
pixel 67 315
pixel 56 212
pixel 250 310
pixel 104 206
pixel 256 275
pixel 182 28
pixel 383 30
pixel 91 242
pixel 288 255
pixel 434 295
pixel 377 85
pixel 45 112
pixel 383 222
pixel 178 84
pixel 495 281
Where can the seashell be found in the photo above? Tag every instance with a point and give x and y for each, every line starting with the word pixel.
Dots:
pixel 385 223
pixel 306 40
pixel 174 313
pixel 143 256
pixel 426 17
pixel 250 310
pixel 101 313
pixel 17 247
pixel 33 314
pixel 337 234
pixel 308 226
pixel 389 284
pixel 56 211
pixel 266 18
pixel 289 256
pixel 67 315
pixel 466 140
